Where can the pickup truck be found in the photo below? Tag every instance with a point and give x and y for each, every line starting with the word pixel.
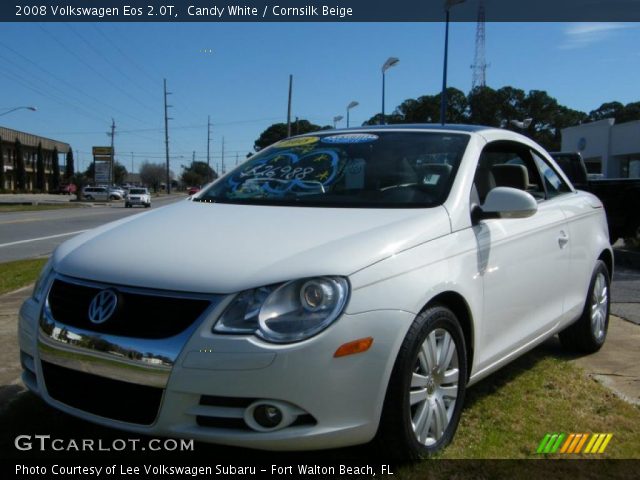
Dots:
pixel 620 196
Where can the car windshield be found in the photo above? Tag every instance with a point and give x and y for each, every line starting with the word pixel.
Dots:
pixel 369 169
pixel 137 191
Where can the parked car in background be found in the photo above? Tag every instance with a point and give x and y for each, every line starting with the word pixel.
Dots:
pixel 101 194
pixel 411 261
pixel 620 196
pixel 67 189
pixel 193 190
pixel 137 196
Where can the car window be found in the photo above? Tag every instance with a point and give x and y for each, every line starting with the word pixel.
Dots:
pixel 553 183
pixel 507 164
pixel 373 169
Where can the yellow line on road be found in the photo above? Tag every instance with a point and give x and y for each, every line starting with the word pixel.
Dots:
pixel 22 220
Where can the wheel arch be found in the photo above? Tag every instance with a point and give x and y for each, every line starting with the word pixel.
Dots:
pixel 459 306
pixel 607 257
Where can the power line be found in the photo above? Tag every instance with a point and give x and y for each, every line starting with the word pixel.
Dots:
pixel 99 74
pixel 75 88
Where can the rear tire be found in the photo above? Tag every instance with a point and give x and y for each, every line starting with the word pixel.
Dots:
pixel 426 391
pixel 589 332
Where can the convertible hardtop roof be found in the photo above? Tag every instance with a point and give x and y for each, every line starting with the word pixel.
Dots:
pixel 412 126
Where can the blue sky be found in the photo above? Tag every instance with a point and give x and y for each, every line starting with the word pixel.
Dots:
pixel 81 75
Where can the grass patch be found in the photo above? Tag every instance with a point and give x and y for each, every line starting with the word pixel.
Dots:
pixel 14 275
pixel 36 208
pixel 507 414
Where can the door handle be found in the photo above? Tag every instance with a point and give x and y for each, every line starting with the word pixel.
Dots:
pixel 563 239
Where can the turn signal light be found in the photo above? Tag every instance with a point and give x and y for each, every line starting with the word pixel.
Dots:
pixel 357 346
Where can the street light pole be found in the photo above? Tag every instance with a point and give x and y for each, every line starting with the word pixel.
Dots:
pixel 391 62
pixel 443 96
pixel 33 109
pixel 336 119
pixel 349 107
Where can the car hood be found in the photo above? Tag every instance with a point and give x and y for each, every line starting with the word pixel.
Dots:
pixel 222 248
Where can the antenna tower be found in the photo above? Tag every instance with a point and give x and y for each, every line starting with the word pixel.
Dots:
pixel 480 65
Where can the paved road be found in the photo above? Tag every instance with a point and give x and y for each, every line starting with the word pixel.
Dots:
pixel 625 294
pixel 32 234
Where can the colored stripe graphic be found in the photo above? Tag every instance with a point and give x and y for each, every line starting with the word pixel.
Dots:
pixel 573 443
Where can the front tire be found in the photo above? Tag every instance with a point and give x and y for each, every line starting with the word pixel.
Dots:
pixel 589 333
pixel 426 391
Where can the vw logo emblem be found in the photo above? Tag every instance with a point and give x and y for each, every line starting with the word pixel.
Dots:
pixel 103 306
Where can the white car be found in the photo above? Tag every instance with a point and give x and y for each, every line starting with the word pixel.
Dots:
pixel 336 286
pixel 137 196
pixel 101 194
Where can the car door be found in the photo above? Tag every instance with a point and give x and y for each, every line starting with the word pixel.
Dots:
pixel 525 261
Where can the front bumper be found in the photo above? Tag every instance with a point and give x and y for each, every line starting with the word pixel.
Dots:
pixel 138 201
pixel 208 381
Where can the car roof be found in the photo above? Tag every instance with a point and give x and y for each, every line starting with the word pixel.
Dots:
pixel 415 126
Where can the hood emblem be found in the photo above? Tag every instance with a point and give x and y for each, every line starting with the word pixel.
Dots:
pixel 103 306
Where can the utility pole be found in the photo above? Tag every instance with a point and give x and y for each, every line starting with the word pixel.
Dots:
pixel 166 134
pixel 208 141
pixel 289 107
pixel 236 159
pixel 111 134
pixel 222 166
pixel 131 162
pixel 79 169
pixel 193 156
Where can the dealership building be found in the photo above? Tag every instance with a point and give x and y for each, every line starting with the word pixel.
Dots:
pixel 606 147
pixel 14 143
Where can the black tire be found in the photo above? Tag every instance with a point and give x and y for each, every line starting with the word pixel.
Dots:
pixel 127 205
pixel 88 197
pixel 585 336
pixel 396 437
pixel 147 205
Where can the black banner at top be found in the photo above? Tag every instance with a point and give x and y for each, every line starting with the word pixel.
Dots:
pixel 318 10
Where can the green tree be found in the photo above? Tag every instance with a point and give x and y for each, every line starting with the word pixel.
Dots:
pixel 40 176
pixel 21 174
pixel 484 107
pixel 630 112
pixel 153 175
pixel 606 110
pixel 278 131
pixel 55 170
pixel 119 173
pixel 1 167
pixel 69 168
pixel 197 173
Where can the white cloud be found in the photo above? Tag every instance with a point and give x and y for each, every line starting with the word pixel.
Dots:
pixel 579 35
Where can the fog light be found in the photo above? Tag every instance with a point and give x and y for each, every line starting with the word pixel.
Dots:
pixel 267 416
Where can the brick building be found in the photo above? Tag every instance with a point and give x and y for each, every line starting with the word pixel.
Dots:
pixel 18 148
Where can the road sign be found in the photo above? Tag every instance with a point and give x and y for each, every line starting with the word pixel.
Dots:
pixel 102 152
pixel 102 171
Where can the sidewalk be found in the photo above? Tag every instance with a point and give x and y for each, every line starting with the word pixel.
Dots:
pixel 617 365
pixel 34 198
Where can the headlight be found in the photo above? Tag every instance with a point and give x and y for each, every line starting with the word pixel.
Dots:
pixel 286 313
pixel 41 283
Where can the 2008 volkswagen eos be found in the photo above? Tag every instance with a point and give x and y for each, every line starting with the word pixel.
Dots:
pixel 334 287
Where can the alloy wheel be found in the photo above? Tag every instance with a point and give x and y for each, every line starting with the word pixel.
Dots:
pixel 434 387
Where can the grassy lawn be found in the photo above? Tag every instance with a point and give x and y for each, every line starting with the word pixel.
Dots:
pixel 507 414
pixel 36 208
pixel 14 275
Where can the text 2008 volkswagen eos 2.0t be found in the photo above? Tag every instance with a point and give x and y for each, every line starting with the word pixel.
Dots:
pixel 334 287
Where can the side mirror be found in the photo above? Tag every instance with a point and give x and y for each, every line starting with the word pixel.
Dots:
pixel 507 202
